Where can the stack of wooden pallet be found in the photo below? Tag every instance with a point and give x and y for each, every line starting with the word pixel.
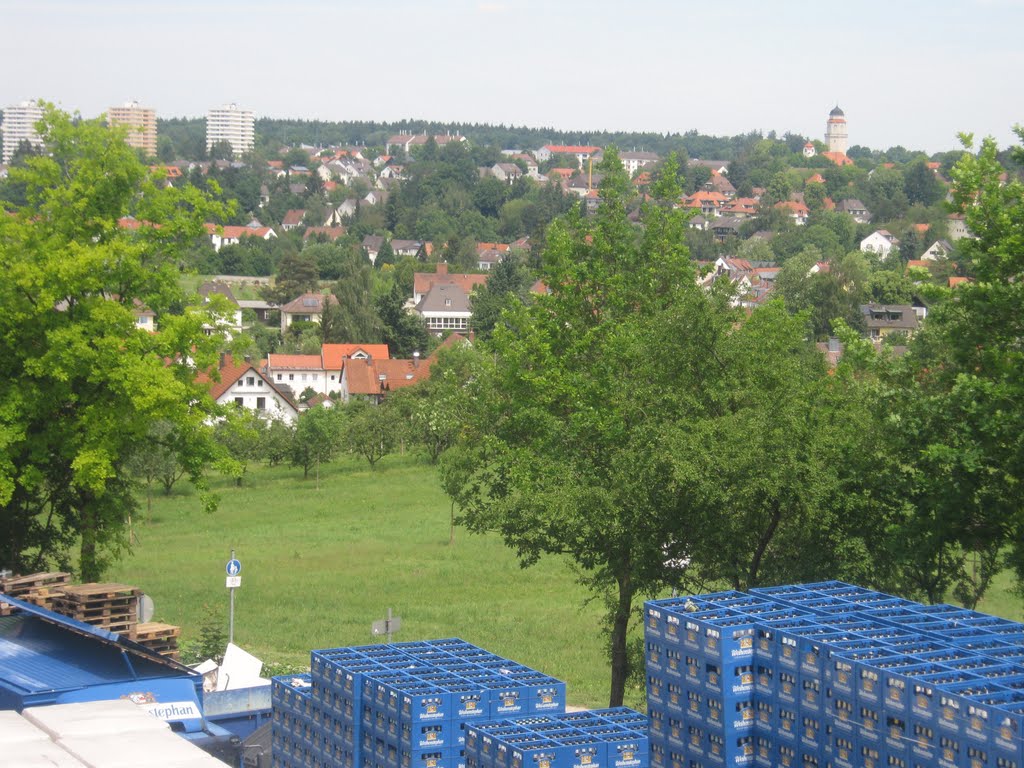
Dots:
pixel 36 588
pixel 162 638
pixel 114 607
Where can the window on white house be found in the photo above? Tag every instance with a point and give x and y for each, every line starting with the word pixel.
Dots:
pixel 259 382
pixel 291 377
pixel 239 401
pixel 304 377
pixel 261 403
pixel 250 381
pixel 280 377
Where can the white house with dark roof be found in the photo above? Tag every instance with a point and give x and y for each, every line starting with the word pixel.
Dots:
pixel 445 307
pixel 881 241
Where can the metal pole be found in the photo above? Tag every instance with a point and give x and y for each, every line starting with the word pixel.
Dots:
pixel 231 615
pixel 389 625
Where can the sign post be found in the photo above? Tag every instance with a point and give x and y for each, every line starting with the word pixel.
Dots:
pixel 387 626
pixel 233 582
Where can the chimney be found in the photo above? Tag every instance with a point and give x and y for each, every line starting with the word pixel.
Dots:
pixel 442 267
pixel 223 359
pixel 415 359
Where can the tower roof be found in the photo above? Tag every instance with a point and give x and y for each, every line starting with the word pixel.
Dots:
pixel 837 112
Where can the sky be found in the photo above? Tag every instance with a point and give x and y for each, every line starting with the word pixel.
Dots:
pixel 905 72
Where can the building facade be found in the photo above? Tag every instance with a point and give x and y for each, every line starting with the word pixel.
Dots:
pixel 231 124
pixel 20 125
pixel 141 124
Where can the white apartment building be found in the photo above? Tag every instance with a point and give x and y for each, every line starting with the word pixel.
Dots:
pixel 20 125
pixel 233 125
pixel 141 124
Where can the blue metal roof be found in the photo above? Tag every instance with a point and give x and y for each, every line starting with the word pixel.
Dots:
pixel 44 651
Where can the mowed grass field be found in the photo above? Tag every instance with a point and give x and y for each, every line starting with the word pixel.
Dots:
pixel 320 565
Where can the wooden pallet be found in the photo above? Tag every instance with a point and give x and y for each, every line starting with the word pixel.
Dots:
pixel 155 631
pixel 111 606
pixel 16 586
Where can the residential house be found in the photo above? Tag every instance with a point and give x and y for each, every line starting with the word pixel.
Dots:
pixel 709 203
pixel 881 241
pixel 406 141
pixel 335 356
pixel 715 166
pixel 581 153
pixel 292 219
pixel 740 207
pixel 633 161
pixel 324 233
pixel 797 211
pixel 244 385
pixel 882 319
pixel 424 281
pixel 372 379
pixel 296 373
pixel 145 318
pixel 725 227
pixel 445 307
pixel 720 183
pixel 414 248
pixel 344 211
pixel 230 325
pixel 855 208
pixel 372 245
pixel 223 234
pixel 489 257
pixel 506 172
pixel 939 250
pixel 309 307
pixel 957 225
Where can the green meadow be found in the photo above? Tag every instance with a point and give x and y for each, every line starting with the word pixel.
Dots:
pixel 320 565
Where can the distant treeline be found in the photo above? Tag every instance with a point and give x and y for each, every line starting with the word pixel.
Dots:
pixel 186 137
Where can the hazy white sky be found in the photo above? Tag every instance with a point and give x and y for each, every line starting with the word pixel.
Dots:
pixel 910 72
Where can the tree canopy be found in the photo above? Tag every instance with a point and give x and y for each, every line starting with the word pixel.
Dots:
pixel 81 386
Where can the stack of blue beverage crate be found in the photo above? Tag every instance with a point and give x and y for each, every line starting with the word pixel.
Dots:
pixel 831 674
pixel 401 705
pixel 607 738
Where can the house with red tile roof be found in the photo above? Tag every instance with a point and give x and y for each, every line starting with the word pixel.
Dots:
pixel 328 233
pixel 225 234
pixel 839 158
pixel 372 379
pixel 243 385
pixel 797 211
pixel 709 203
pixel 292 219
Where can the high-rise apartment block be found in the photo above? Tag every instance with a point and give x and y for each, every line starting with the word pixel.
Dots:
pixel 19 125
pixel 233 125
pixel 141 124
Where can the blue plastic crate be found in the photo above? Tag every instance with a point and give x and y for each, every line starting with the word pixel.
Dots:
pixel 425 704
pixel 677 731
pixel 842 750
pixel 696 706
pixel 977 755
pixel 764 678
pixel 673 665
pixel 871 721
pixel 764 750
pixel 786 754
pixel 787 690
pixel 923 742
pixel 812 695
pixel 741 716
pixel 764 715
pixel 896 735
pixel 787 723
pixel 714 712
pixel 812 731
pixel 951 750
pixel 676 699
pixel 840 715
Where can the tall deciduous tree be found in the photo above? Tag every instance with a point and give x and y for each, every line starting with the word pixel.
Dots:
pixel 80 385
pixel 565 447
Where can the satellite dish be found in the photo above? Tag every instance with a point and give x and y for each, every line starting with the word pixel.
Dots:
pixel 146 609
